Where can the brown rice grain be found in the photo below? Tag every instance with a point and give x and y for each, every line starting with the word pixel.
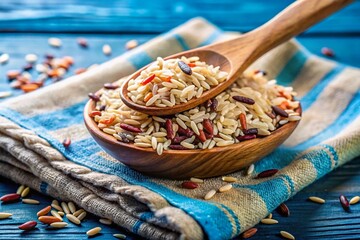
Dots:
pixel 287 235
pixel 210 194
pixel 65 207
pixel 196 180
pixel 20 189
pixel 229 179
pixel 317 200
pixel 250 169
pixel 4 215
pixel 225 188
pixel 25 192
pixel 73 219
pixel 93 231
pixel 354 200
pixel 57 207
pixel 78 212
pixel 82 216
pixel 269 221
pixel 58 224
pixel 30 201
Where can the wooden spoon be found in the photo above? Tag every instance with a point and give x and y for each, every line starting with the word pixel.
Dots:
pixel 234 56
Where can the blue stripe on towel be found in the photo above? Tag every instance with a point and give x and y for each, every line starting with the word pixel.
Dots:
pixel 266 191
pixel 334 153
pixel 321 161
pixel 146 216
pixel 61 118
pixel 140 59
pixel 217 227
pixel 43 187
pixel 314 93
pixel 236 220
pixel 136 226
pixel 182 42
pixel 292 68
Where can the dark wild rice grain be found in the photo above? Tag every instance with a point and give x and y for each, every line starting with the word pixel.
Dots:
pixel 344 202
pixel 82 42
pixel 243 99
pixel 327 52
pixel 27 67
pixel 246 137
pixel 267 173
pixel 94 97
pixel 251 131
pixel 178 140
pixel 249 233
pixel 67 142
pixel 177 147
pixel 169 129
pixel 283 210
pixel 185 68
pixel 185 132
pixel 280 111
pixel 130 128
pixel 110 86
pixel 214 104
pixel 189 185
pixel 124 138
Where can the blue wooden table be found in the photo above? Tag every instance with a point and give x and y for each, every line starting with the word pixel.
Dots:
pixel 26 26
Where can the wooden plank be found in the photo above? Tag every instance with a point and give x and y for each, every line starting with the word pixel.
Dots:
pixel 154 16
pixel 25 212
pixel 307 220
pixel 19 44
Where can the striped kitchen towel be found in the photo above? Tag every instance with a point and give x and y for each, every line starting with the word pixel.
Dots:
pixel 33 126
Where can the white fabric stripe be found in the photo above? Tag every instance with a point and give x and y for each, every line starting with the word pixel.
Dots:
pixel 249 198
pixel 343 141
pixel 333 99
pixel 297 170
pixel 310 75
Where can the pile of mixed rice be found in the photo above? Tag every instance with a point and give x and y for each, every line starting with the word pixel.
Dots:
pixel 252 107
pixel 166 83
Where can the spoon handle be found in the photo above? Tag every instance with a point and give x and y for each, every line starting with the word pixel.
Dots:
pixel 290 22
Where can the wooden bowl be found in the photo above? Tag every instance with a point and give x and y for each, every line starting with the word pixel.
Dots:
pixel 183 164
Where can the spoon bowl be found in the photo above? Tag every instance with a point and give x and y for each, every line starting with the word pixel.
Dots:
pixel 183 164
pixel 212 58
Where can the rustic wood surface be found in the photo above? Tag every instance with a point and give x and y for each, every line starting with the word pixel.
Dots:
pixel 115 22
